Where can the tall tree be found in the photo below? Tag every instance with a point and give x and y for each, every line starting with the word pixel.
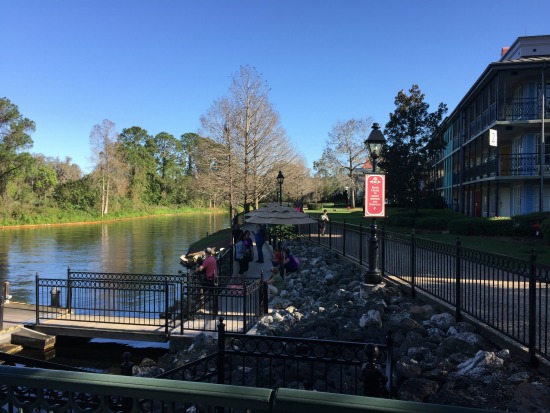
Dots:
pixel 168 153
pixel 249 129
pixel 134 152
pixel 110 170
pixel 405 157
pixel 15 140
pixel 345 151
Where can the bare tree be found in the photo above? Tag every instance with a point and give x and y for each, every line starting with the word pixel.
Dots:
pixel 103 140
pixel 345 151
pixel 249 131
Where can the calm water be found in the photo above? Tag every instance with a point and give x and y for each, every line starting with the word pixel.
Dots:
pixel 146 245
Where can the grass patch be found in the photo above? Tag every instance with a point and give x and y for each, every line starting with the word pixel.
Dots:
pixel 513 246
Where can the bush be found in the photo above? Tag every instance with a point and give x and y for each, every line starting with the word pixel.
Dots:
pixel 400 221
pixel 313 205
pixel 526 224
pixel 432 223
pixel 482 226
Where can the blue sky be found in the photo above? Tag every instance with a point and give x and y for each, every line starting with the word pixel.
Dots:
pixel 70 64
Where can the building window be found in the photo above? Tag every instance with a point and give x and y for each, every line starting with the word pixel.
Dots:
pixel 516 200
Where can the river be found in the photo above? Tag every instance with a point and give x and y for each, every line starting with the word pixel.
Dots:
pixel 146 245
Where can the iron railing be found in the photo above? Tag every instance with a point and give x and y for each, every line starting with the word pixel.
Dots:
pixel 24 390
pixel 509 295
pixel 153 300
pixel 274 362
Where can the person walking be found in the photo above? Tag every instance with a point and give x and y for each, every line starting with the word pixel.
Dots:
pixel 322 222
pixel 241 256
pixel 259 237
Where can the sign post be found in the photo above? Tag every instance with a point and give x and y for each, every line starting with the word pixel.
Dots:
pixel 375 195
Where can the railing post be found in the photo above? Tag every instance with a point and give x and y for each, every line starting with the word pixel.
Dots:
pixel 245 296
pixel 532 310
pixel 166 307
pixel 69 291
pixel 37 301
pixel 190 291
pixel 264 297
pixel 221 352
pixel 182 291
pixel 344 239
pixel 458 282
pixel 413 263
pixel 382 263
pixel 361 243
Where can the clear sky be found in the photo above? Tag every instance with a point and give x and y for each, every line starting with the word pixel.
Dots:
pixel 160 64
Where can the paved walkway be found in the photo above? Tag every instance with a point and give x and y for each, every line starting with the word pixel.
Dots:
pixel 255 269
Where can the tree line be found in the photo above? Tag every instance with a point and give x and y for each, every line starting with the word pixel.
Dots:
pixel 232 161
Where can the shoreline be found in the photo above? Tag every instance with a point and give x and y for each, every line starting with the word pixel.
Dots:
pixel 102 221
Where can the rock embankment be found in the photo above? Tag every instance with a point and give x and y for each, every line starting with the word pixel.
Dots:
pixel 438 360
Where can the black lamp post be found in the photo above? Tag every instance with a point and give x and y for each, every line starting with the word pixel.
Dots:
pixel 280 180
pixel 374 144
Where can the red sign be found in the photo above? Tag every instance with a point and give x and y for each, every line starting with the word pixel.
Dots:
pixel 375 195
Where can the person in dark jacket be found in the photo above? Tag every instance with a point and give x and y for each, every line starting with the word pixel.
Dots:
pixel 259 237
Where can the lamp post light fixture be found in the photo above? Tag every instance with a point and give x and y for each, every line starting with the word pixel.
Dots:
pixel 374 144
pixel 280 180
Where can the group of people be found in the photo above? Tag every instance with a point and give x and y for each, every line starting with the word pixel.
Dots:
pixel 244 247
pixel 283 262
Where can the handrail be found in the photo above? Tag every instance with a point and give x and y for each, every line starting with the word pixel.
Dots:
pixel 47 390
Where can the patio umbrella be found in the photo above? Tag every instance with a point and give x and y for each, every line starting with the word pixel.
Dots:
pixel 281 217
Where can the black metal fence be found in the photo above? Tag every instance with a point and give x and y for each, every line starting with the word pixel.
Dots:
pixel 168 301
pixel 288 362
pixel 508 294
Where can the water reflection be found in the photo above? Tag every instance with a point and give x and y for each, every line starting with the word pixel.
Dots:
pixel 147 245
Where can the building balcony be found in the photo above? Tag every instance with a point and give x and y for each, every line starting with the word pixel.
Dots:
pixel 500 166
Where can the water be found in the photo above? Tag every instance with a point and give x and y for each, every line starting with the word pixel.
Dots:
pixel 146 245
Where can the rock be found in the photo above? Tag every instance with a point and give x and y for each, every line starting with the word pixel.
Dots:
pixel 423 312
pixel 438 360
pixel 479 364
pixel 417 389
pixel 443 321
pixel 531 398
pixel 371 319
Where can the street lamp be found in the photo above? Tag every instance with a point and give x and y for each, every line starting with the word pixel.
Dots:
pixel 280 180
pixel 374 144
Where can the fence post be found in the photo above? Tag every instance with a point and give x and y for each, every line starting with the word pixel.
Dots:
pixel 458 282
pixel 344 240
pixel 264 297
pixel 37 301
pixel 382 263
pixel 189 292
pixel 361 243
pixel 221 352
pixel 532 310
pixel 69 291
pixel 182 291
pixel 245 296
pixel 166 307
pixel 413 263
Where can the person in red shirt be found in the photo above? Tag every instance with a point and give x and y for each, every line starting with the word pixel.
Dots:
pixel 210 281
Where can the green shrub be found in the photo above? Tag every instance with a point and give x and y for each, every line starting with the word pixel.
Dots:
pixel 400 221
pixel 313 205
pixel 432 223
pixel 482 226
pixel 545 230
pixel 523 224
